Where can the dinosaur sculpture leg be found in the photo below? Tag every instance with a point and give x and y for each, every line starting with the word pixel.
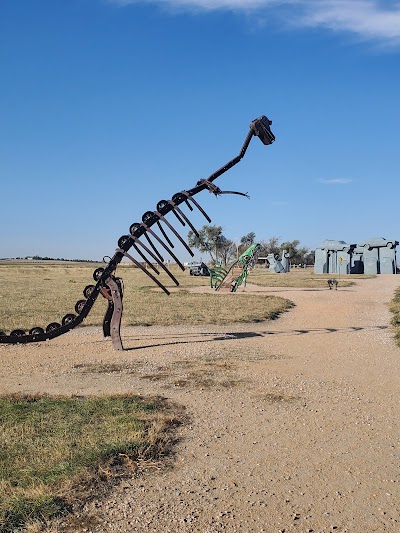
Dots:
pixel 113 316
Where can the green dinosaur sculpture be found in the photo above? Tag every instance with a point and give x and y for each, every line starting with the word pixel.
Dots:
pixel 222 277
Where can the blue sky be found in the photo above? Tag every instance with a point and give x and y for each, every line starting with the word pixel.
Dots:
pixel 108 106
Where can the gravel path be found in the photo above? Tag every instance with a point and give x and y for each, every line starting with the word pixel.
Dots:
pixel 294 423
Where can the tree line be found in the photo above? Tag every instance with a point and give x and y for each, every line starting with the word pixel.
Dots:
pixel 45 258
pixel 212 241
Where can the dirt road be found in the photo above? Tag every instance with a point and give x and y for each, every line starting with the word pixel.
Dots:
pixel 294 424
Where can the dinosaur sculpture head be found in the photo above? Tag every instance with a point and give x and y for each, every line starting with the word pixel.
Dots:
pixel 261 129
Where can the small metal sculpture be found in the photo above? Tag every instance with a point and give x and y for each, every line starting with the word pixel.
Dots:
pixel 142 240
pixel 333 283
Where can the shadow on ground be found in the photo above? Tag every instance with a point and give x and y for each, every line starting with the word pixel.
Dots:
pixel 207 337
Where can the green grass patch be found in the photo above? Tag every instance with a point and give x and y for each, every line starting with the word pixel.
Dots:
pixel 395 309
pixel 56 448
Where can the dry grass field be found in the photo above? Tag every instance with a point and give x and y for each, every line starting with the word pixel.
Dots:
pixel 37 293
pixel 395 309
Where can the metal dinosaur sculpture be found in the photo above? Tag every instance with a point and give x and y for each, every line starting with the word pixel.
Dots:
pixel 142 240
pixel 237 273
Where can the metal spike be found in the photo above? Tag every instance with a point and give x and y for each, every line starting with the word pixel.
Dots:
pixel 189 206
pixel 149 263
pixel 137 241
pixel 187 221
pixel 175 233
pixel 165 234
pixel 145 271
pixel 199 208
pixel 166 247
pixel 152 245
pixel 175 213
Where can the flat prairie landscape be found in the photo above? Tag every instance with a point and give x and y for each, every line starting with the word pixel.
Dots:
pixel 288 394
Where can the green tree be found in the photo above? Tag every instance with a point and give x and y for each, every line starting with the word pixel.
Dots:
pixel 298 255
pixel 246 241
pixel 271 246
pixel 292 248
pixel 226 250
pixel 213 242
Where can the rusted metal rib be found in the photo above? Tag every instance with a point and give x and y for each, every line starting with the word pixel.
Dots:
pixel 197 205
pixel 137 241
pixel 164 233
pixel 146 272
pixel 175 213
pixel 152 244
pixel 149 263
pixel 189 206
pixel 185 218
pixel 171 253
pixel 174 232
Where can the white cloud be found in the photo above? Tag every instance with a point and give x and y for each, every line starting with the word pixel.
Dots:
pixel 368 19
pixel 206 5
pixel 336 181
